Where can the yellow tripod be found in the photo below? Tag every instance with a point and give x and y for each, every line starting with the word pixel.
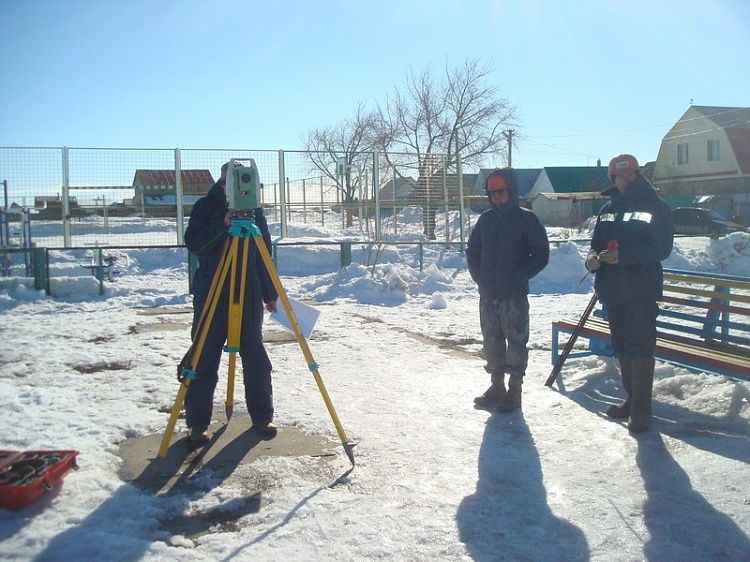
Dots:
pixel 242 229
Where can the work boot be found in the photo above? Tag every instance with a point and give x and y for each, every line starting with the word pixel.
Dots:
pixel 643 384
pixel 512 399
pixel 266 430
pixel 493 394
pixel 621 411
pixel 198 435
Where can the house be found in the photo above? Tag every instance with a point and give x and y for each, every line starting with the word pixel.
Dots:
pixel 402 187
pixel 50 207
pixel 706 154
pixel 155 190
pixel 568 195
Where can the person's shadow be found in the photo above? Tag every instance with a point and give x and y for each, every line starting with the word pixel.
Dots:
pixel 507 517
pixel 682 524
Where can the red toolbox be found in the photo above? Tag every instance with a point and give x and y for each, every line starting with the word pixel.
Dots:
pixel 26 475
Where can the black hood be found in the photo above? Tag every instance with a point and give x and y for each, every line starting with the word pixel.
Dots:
pixel 639 189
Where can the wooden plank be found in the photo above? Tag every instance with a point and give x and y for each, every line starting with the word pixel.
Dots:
pixel 700 280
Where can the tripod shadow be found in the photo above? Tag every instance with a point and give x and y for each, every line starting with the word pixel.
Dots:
pixel 115 531
pixel 508 514
pixel 681 523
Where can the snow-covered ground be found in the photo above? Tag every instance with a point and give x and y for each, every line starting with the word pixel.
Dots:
pixel 435 479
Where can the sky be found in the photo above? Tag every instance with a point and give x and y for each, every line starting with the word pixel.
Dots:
pixel 397 349
pixel 589 79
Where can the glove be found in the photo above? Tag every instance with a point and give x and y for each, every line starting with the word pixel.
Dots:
pixel 609 256
pixel 592 261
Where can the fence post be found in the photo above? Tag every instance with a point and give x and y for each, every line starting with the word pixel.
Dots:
pixel 192 268
pixel 282 194
pixel 178 197
pixel 346 253
pixel 41 269
pixel 65 195
pixel 322 208
pixel 376 192
pixel 304 201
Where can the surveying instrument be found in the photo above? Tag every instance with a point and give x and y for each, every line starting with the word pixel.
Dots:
pixel 243 194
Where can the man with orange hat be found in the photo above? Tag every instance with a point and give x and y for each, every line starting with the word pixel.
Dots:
pixel 633 234
pixel 507 247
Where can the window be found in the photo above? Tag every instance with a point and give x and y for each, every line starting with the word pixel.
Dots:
pixel 682 154
pixel 713 150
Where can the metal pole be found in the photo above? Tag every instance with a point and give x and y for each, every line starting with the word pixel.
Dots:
pixel 376 193
pixel 65 194
pixel 461 208
pixel 445 199
pixel 322 206
pixel 282 195
pixel 178 197
pixel 304 202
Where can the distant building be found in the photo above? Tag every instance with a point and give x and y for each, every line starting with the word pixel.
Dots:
pixel 567 196
pixel 706 154
pixel 155 191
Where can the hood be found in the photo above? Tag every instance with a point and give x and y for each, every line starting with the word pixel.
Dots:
pixel 216 194
pixel 639 189
pixel 509 175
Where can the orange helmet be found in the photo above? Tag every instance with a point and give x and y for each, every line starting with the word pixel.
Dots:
pixel 623 164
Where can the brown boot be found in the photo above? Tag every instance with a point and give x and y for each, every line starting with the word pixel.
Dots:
pixel 621 411
pixel 493 394
pixel 643 384
pixel 512 399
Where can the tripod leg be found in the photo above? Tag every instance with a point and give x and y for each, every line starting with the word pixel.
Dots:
pixel 207 315
pixel 263 251
pixel 234 328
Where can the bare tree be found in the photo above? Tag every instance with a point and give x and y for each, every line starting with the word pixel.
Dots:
pixel 438 118
pixel 353 140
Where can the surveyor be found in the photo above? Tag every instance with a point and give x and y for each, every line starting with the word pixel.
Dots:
pixel 205 235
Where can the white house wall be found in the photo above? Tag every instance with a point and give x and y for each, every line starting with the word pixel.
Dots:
pixel 541 185
pixel 695 130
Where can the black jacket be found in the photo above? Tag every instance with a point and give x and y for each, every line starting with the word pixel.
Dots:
pixel 642 225
pixel 205 236
pixel 506 248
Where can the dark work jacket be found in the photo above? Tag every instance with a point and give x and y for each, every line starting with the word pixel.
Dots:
pixel 506 248
pixel 642 225
pixel 205 236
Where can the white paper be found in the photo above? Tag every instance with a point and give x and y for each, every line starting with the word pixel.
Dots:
pixel 307 316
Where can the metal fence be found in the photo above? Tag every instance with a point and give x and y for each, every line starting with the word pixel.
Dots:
pixel 92 197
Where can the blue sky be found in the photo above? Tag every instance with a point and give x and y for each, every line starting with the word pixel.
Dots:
pixel 590 79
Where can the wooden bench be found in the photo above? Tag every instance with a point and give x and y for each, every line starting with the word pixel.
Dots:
pixel 704 325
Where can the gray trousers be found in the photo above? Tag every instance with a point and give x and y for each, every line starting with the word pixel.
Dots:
pixel 505 329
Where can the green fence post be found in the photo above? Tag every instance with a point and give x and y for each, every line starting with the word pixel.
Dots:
pixel 346 253
pixel 192 268
pixel 421 256
pixel 41 271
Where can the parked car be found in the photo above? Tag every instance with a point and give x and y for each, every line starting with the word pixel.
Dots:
pixel 694 220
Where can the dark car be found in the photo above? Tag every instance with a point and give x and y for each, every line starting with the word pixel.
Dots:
pixel 694 220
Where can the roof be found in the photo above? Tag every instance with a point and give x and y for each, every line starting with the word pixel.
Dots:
pixel 577 196
pixel 576 179
pixel 726 117
pixel 167 177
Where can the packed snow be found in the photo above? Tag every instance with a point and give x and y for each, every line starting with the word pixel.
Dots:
pixel 398 349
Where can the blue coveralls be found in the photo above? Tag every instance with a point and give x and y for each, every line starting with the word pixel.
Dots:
pixel 205 236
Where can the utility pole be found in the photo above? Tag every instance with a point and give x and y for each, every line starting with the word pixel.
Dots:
pixel 509 138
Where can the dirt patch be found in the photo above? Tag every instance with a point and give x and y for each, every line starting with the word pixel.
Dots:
pixel 99 366
pixel 164 326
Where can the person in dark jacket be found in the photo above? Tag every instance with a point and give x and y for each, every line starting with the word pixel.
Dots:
pixel 205 236
pixel 633 234
pixel 507 247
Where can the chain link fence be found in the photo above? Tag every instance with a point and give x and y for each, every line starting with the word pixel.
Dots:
pixel 82 200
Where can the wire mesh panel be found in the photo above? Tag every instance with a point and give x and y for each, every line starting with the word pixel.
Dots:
pixel 122 196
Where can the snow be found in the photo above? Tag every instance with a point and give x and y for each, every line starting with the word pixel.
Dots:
pixel 435 479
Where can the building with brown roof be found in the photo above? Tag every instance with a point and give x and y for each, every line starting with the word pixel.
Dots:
pixel 155 190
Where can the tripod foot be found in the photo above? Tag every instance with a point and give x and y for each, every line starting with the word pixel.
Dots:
pixel 349 450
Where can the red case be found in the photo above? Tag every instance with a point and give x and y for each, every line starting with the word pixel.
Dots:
pixel 26 475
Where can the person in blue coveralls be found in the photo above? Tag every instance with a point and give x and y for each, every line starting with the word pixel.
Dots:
pixel 205 235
